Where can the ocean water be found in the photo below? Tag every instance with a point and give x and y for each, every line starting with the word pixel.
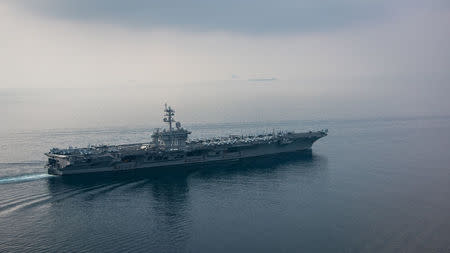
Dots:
pixel 370 186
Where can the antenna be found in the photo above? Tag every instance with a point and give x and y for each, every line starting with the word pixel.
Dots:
pixel 169 116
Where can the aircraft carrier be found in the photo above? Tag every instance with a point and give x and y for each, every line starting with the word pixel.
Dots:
pixel 171 147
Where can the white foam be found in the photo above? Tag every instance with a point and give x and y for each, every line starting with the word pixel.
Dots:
pixel 23 178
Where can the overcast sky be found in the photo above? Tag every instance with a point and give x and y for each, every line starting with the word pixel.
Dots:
pixel 85 63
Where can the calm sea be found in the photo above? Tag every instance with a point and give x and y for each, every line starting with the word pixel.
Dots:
pixel 370 186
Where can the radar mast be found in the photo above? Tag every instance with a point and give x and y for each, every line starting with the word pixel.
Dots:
pixel 169 114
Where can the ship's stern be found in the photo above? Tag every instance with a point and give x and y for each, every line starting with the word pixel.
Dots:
pixel 55 164
pixel 53 171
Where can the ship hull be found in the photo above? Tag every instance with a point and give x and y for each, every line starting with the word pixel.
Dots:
pixel 212 155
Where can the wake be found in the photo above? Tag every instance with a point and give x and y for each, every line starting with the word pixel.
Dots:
pixel 23 178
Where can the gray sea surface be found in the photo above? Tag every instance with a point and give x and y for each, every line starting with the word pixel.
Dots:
pixel 380 185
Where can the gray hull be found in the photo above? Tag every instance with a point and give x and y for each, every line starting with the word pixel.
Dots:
pixel 146 161
pixel 172 147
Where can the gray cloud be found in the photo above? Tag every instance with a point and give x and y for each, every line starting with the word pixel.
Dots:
pixel 247 16
pixel 76 63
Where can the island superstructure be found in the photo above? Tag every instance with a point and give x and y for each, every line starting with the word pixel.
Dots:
pixel 172 147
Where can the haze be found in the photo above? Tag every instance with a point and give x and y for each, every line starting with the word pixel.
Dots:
pixel 71 63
